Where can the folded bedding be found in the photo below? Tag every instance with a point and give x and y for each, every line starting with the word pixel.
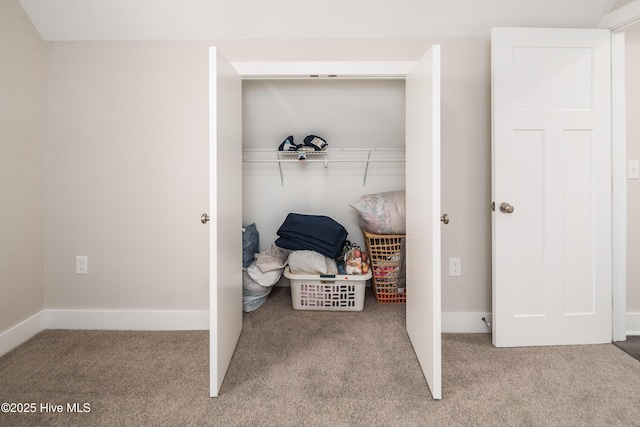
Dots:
pixel 305 244
pixel 312 232
pixel 311 262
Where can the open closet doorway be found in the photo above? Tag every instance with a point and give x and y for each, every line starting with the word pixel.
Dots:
pixel 422 78
pixel 619 22
pixel 629 339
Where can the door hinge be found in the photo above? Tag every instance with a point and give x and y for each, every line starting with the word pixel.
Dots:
pixel 493 206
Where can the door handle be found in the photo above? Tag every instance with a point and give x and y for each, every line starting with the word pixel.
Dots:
pixel 444 218
pixel 506 208
pixel 204 218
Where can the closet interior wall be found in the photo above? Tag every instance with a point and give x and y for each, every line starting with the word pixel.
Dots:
pixel 348 114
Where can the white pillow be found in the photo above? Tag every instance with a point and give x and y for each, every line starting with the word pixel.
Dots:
pixel 382 213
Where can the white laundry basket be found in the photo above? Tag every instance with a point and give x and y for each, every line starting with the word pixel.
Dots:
pixel 327 292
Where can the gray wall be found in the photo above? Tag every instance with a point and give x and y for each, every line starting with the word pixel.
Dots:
pixel 126 175
pixel 22 71
pixel 127 165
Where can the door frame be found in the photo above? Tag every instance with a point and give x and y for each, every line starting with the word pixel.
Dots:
pixel 261 70
pixel 618 22
pixel 619 184
pixel 365 70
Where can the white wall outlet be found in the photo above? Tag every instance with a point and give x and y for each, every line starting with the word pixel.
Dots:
pixel 633 169
pixel 455 267
pixel 82 264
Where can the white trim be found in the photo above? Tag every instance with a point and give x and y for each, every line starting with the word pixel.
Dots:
pixel 633 324
pixel 618 21
pixel 127 320
pixel 465 323
pixel 344 69
pixel 622 19
pixel 619 183
pixel 452 322
pixel 21 333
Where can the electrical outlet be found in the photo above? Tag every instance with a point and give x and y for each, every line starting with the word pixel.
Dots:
pixel 82 264
pixel 455 267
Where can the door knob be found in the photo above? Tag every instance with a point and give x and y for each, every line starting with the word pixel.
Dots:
pixel 445 218
pixel 506 208
pixel 204 218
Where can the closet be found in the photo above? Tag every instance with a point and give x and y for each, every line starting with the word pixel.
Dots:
pixel 382 123
pixel 361 119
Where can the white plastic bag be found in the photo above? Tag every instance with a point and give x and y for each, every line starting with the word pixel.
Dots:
pixel 253 295
pixel 256 286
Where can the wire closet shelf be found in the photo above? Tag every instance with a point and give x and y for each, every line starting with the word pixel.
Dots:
pixel 332 155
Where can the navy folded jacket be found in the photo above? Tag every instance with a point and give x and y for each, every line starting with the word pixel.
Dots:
pixel 312 232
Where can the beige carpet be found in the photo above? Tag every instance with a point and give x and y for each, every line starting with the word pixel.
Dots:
pixel 294 368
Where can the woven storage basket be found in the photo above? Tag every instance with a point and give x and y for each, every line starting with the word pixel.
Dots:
pixel 384 253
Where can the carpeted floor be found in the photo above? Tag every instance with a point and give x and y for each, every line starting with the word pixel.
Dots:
pixel 294 368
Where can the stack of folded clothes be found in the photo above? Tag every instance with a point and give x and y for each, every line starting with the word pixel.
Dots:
pixel 312 232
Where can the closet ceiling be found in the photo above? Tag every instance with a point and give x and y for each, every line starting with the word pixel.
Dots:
pixel 301 19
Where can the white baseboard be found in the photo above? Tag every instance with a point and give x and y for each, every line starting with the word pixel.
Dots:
pixel 452 322
pixel 633 324
pixel 127 320
pixel 465 323
pixel 22 332
pixel 103 320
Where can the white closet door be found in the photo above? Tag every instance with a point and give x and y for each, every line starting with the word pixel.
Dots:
pixel 225 226
pixel 551 154
pixel 423 216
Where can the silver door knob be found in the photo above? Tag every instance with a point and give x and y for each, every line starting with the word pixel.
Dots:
pixel 506 208
pixel 204 218
pixel 444 218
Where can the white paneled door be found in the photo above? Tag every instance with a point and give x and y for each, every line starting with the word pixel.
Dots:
pixel 225 226
pixel 551 185
pixel 423 216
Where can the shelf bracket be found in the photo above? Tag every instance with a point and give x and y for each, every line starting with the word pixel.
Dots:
pixel 280 169
pixel 366 169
